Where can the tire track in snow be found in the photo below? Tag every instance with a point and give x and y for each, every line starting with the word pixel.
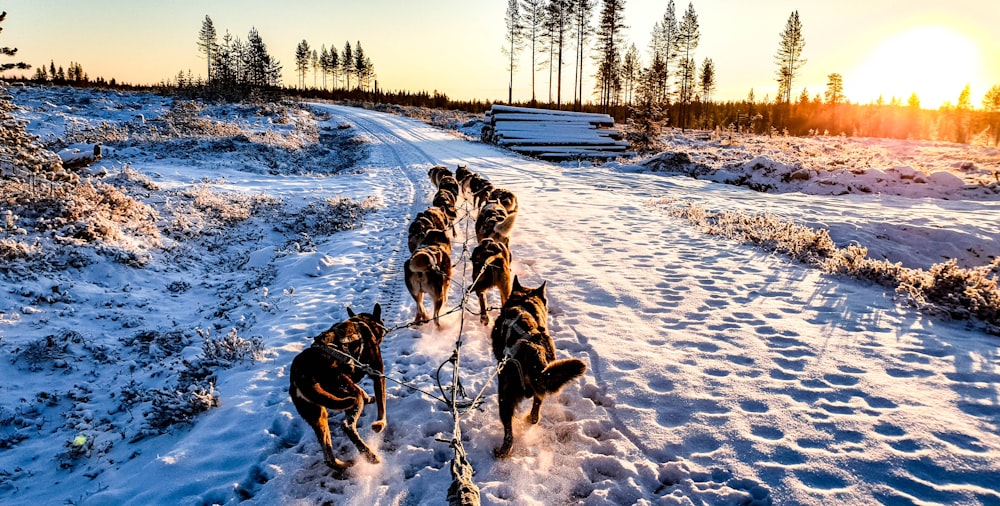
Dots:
pixel 390 153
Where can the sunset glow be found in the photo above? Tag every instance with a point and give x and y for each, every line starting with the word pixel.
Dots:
pixel 935 62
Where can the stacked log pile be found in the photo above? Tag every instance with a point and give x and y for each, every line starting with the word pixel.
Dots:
pixel 554 135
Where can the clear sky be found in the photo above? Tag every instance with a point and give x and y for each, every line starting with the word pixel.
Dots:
pixel 881 47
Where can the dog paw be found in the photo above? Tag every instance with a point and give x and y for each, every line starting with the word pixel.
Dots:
pixel 501 453
pixel 484 319
pixel 340 465
pixel 378 425
pixel 372 458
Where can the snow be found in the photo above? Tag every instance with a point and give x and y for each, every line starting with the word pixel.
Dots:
pixel 717 373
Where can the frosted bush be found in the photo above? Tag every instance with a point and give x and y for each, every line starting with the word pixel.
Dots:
pixel 232 349
pixel 170 407
pixel 945 289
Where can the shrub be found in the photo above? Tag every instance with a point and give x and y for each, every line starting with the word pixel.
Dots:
pixel 232 349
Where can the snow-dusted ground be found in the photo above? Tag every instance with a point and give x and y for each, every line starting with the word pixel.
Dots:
pixel 718 373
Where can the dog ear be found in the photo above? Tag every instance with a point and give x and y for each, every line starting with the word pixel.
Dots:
pixel 517 285
pixel 541 290
pixel 349 312
pixel 377 312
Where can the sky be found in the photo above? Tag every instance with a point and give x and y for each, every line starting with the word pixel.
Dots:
pixel 930 48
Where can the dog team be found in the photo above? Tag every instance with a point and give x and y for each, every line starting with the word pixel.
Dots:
pixel 326 375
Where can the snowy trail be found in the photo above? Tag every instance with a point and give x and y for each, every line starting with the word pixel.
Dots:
pixel 757 369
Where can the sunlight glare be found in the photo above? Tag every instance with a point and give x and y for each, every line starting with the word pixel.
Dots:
pixel 934 62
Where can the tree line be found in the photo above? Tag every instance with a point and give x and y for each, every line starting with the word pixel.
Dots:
pixel 673 89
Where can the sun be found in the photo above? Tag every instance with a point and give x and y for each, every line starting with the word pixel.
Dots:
pixel 933 61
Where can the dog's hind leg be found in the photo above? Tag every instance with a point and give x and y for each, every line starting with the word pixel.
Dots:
pixel 536 407
pixel 350 424
pixel 316 417
pixel 484 315
pixel 421 315
pixel 439 300
pixel 507 403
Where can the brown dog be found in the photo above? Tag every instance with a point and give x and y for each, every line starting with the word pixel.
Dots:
pixel 520 335
pixel 450 184
pixel 494 222
pixel 448 202
pixel 322 379
pixel 428 270
pixel 434 218
pixel 462 173
pixel 490 269
pixel 436 172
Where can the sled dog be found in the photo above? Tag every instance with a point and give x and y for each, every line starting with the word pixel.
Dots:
pixel 520 334
pixel 490 269
pixel 449 183
pixel 322 379
pixel 494 222
pixel 462 174
pixel 434 218
pixel 436 172
pixel 448 202
pixel 428 270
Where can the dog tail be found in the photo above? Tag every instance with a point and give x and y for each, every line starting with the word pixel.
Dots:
pixel 560 372
pixel 504 227
pixel 422 261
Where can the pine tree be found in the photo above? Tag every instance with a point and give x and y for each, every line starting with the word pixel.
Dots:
pixel 834 89
pixel 208 44
pixel 334 65
pixel 514 38
pixel 991 104
pixel 789 57
pixel 688 36
pixel 360 65
pixel 558 17
pixel 260 69
pixel 346 62
pixel 324 63
pixel 631 69
pixel 610 31
pixel 582 11
pixel 663 48
pixel 534 22
pixel 314 62
pixel 707 80
pixel 302 56
pixel 962 118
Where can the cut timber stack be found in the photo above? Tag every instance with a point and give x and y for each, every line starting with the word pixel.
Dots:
pixel 554 135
